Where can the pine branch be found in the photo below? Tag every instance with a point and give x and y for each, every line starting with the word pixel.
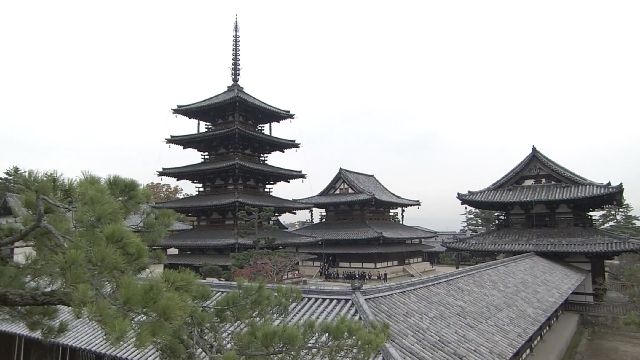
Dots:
pixel 9 297
pixel 39 223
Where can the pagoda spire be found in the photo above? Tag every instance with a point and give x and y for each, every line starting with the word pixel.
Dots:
pixel 235 64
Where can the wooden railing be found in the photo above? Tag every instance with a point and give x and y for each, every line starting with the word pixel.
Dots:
pixel 602 309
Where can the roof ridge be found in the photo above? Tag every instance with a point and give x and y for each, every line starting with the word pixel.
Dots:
pixel 390 289
pixel 556 167
pixel 388 351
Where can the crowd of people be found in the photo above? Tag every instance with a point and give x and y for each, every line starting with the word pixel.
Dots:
pixel 363 276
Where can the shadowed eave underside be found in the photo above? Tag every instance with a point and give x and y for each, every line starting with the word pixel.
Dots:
pixel 570 240
pixel 234 94
pixel 228 200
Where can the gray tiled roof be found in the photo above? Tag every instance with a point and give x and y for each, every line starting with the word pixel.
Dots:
pixel 234 94
pixel 360 249
pixel 229 199
pixel 539 193
pixel 367 188
pixel 486 311
pixel 214 238
pixel 344 230
pixel 552 165
pixel 14 203
pixel 573 186
pixel 183 172
pixel 546 240
pixel 193 140
pixel 434 246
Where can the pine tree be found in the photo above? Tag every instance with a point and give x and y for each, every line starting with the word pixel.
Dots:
pixel 619 219
pixel 87 260
pixel 476 221
pixel 9 182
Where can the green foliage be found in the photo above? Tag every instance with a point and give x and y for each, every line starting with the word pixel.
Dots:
pixel 9 182
pixel 619 219
pixel 630 275
pixel 211 271
pixel 163 192
pixel 91 261
pixel 256 223
pixel 476 221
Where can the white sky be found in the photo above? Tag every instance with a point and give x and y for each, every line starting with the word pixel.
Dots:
pixel 433 98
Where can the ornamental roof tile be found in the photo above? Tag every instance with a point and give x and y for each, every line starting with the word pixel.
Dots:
pixel 486 311
pixel 348 230
pixel 230 199
pixel 234 93
pixel 547 240
pixel 189 139
pixel 210 166
pixel 367 187
pixel 220 238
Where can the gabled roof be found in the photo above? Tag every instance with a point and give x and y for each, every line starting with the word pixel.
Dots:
pixel 571 186
pixel 199 141
pixel 547 240
pixel 487 311
pixel 366 188
pixel 561 171
pixel 184 172
pixel 234 94
pixel 12 203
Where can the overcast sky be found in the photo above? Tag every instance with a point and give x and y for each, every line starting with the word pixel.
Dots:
pixel 433 98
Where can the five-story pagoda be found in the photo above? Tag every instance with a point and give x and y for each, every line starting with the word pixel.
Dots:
pixel 233 173
pixel 546 209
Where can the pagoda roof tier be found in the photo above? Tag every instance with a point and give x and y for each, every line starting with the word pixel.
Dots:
pixel 219 106
pixel 205 140
pixel 194 172
pixel 537 178
pixel 219 201
pixel 360 249
pixel 222 238
pixel 348 230
pixel 517 194
pixel 547 240
pixel 354 187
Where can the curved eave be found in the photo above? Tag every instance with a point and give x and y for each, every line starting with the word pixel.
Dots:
pixel 547 240
pixel 221 201
pixel 324 201
pixel 191 172
pixel 200 141
pixel 214 238
pixel 601 195
pixel 201 109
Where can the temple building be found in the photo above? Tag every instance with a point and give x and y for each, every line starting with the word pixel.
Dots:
pixel 545 208
pixel 233 174
pixel 359 228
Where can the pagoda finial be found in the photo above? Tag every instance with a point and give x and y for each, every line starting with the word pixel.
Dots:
pixel 235 64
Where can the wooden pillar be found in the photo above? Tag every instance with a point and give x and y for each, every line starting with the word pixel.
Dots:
pixel 598 278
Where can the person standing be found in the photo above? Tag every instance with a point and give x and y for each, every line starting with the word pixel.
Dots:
pixel 384 277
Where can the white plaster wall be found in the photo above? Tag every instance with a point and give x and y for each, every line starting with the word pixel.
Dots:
pixel 20 254
pixel 586 286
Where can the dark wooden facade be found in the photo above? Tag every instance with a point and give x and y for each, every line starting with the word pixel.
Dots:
pixel 545 208
pixel 359 226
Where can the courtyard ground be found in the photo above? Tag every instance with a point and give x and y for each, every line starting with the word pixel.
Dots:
pixel 599 344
